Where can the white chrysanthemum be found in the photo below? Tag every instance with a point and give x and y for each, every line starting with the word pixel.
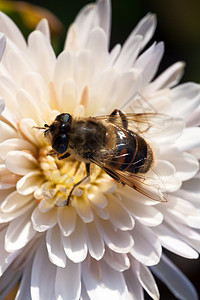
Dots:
pixel 102 245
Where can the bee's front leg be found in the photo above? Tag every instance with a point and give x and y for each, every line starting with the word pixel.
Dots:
pixel 87 165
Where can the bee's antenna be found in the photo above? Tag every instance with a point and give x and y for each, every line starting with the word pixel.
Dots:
pixel 42 127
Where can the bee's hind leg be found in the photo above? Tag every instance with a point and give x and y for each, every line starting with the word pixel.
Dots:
pixel 87 165
pixel 123 118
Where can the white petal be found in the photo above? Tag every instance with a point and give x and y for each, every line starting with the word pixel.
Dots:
pixel 5 258
pixel 169 78
pixel 176 281
pixel 28 106
pixel 9 28
pixel 117 240
pixel 116 261
pixel 8 281
pixel 111 284
pixel 147 215
pixel 43 26
pixel 20 162
pixel 118 215
pixel 42 287
pixel 185 98
pixel 45 59
pixel 43 221
pixel 94 241
pixel 129 53
pixel 20 232
pixel 24 291
pixel 83 209
pixel 15 202
pixel 190 139
pixel 97 44
pixel 104 16
pixel 133 284
pixel 55 248
pixel 2 44
pixel 28 183
pixel 68 282
pixel 17 65
pixel 2 105
pixel 147 248
pixel 75 245
pixel 67 220
pixel 148 282
pixel 7 132
pixel 172 242
pixel 16 144
pixel 146 28
pixel 186 165
pixel 149 61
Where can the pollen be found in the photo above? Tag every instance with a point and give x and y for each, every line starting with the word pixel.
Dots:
pixel 59 178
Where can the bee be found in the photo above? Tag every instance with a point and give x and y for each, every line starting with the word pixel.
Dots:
pixel 113 142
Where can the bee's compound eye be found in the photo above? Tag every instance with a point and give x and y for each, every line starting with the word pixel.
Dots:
pixel 60 143
pixel 66 118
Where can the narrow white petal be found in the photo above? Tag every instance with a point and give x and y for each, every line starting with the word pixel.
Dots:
pixel 55 248
pixel 104 16
pixel 133 284
pixel 20 162
pixel 83 209
pixel 2 44
pixel 28 106
pixel 95 241
pixel 43 26
pixel 68 282
pixel 119 215
pixel 20 232
pixel 14 201
pixel 176 281
pixel 75 245
pixel 190 139
pixel 8 281
pixel 7 132
pixel 111 284
pixel 45 59
pixel 129 53
pixel 117 240
pixel 117 261
pixel 24 291
pixel 169 78
pixel 67 220
pixel 185 98
pixel 28 183
pixel 147 248
pixel 148 282
pixel 9 28
pixel 16 144
pixel 2 105
pixel 43 275
pixel 43 221
pixel 149 61
pixel 172 242
pixel 146 28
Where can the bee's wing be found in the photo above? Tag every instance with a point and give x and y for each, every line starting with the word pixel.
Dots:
pixel 149 187
pixel 146 124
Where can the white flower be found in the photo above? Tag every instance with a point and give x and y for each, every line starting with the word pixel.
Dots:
pixel 102 245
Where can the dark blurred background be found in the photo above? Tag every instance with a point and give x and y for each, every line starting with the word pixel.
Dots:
pixel 178 26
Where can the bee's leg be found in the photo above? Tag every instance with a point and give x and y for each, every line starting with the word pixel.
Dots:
pixel 63 156
pixel 123 117
pixel 87 165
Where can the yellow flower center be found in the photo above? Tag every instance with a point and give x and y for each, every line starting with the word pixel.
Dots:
pixel 59 178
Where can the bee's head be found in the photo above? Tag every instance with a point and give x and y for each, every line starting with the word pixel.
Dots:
pixel 58 132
